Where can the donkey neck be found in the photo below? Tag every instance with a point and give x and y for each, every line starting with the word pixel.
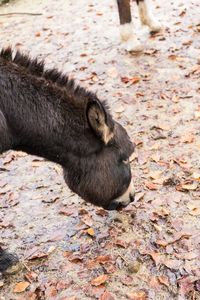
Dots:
pixel 43 117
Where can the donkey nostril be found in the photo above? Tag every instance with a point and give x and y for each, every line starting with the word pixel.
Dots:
pixel 132 197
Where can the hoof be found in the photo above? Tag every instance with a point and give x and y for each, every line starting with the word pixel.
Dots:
pixel 9 263
pixel 133 45
pixel 155 26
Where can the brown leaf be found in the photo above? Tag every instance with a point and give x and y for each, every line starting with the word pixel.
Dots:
pixel 75 258
pixel 119 108
pixel 31 276
pixel 194 208
pixel 177 237
pixel 175 57
pixel 101 212
pixel 154 283
pixel 196 176
pixel 157 257
pixel 30 296
pixel 164 280
pixel 172 263
pixel 106 296
pixel 162 212
pixel 83 54
pixel 5 224
pixel 94 292
pixel 139 196
pixel 183 12
pixel 99 280
pixel 186 285
pixel 21 286
pixel 90 231
pixel 103 259
pixel 87 220
pixel 50 292
pixel 151 186
pixel 155 174
pixel 187 186
pixel 130 80
pixel 37 34
pixel 127 280
pixel 138 295
pixel 187 255
pixel 64 284
pixel 172 57
pixel 195 211
pixel 69 298
pixel 121 243
pixel 35 253
pixel 188 138
pixel 175 98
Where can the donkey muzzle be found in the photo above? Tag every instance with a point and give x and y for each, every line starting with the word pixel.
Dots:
pixel 123 200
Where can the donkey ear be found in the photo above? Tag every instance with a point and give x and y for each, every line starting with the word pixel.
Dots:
pixel 97 119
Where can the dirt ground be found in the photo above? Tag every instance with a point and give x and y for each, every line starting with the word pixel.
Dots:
pixel 70 249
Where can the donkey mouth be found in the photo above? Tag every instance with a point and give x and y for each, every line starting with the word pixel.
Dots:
pixel 117 205
pixel 123 200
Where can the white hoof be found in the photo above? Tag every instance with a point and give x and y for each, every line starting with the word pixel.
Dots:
pixel 128 38
pixel 133 45
pixel 154 26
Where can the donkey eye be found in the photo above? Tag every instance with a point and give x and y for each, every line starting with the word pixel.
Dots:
pixel 126 161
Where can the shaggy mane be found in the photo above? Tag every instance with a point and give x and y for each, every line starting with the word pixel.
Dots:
pixel 36 68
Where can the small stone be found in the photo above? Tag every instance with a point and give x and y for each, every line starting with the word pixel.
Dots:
pixel 133 267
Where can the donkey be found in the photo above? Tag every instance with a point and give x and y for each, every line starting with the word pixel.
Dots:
pixel 126 28
pixel 44 113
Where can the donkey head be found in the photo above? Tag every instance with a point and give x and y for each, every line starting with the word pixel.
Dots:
pixel 102 176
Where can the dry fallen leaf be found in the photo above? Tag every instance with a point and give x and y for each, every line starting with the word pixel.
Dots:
pixel 119 108
pixel 164 280
pixel 99 280
pixel 130 80
pixel 90 231
pixel 138 295
pixel 187 186
pixel 103 259
pixel 194 207
pixel 121 243
pixel 177 237
pixel 21 286
pixel 157 257
pixel 188 138
pixel 196 176
pixel 155 174
pixel 37 34
pixel 151 186
pixel 106 296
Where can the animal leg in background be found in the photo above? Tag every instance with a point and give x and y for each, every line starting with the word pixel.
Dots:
pixel 126 27
pixel 146 16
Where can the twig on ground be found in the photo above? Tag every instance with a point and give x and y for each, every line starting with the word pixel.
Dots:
pixel 20 13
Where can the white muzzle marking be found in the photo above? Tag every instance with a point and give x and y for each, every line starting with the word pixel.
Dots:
pixel 125 198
